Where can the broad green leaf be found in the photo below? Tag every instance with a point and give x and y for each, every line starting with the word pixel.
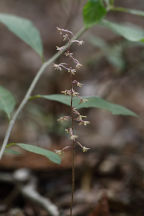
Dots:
pixel 128 31
pixel 100 103
pixel 56 97
pixel 24 29
pixel 93 12
pixel 93 102
pixel 7 101
pixel 98 42
pixel 112 53
pixel 41 151
pixel 11 151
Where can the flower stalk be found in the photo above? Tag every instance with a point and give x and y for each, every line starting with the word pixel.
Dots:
pixel 75 115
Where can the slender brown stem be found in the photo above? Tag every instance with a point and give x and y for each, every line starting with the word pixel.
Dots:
pixel 73 151
pixel 73 177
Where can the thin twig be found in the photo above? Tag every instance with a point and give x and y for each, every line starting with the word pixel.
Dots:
pixel 31 88
pixel 30 192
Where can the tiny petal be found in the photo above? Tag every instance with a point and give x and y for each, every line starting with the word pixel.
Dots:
pixel 65 37
pixel 58 28
pixel 75 111
pixel 63 118
pixel 72 71
pixel 64 31
pixel 85 149
pixel 74 93
pixel 73 137
pixel 86 123
pixel 59 48
pixel 67 92
pixel 80 118
pixel 78 65
pixel 67 53
pixel 57 67
pixel 64 92
pixel 79 84
pixel 83 100
pixel 79 42
pixel 59 152
pixel 67 130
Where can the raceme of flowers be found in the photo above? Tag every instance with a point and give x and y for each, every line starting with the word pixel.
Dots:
pixel 75 114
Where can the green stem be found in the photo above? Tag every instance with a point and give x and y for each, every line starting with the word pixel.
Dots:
pixel 112 2
pixel 126 10
pixel 31 88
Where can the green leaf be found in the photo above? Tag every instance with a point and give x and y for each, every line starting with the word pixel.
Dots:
pixel 11 151
pixel 25 30
pixel 93 12
pixel 111 2
pixel 41 151
pixel 128 31
pixel 56 97
pixel 98 42
pixel 7 101
pixel 100 103
pixel 93 102
pixel 112 53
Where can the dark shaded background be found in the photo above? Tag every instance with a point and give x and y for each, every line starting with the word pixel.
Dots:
pixel 110 175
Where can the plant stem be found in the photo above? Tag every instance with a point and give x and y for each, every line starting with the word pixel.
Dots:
pixel 31 88
pixel 73 177
pixel 126 10
pixel 112 2
pixel 73 151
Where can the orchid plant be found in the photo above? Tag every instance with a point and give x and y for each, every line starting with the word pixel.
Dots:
pixel 94 13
